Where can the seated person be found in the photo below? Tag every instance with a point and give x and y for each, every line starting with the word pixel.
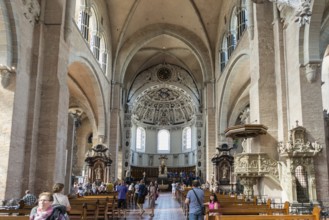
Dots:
pixel 213 203
pixel 46 210
pixel 29 198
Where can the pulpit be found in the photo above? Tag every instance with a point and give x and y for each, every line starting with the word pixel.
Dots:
pixel 98 164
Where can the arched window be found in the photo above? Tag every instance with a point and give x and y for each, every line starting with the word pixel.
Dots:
pixel 140 139
pixel 241 19
pixel 187 138
pixel 223 54
pixel 301 184
pixel 163 141
pixel 82 17
pixel 94 39
pixel 231 36
pixel 103 54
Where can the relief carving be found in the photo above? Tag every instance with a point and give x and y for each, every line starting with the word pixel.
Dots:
pixel 31 10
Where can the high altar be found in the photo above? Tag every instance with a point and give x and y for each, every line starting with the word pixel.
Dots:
pixel 162 167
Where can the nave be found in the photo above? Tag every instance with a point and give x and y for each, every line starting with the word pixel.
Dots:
pixel 167 207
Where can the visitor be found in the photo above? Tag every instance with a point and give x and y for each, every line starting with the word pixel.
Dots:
pixel 142 192
pixel 46 210
pixel 194 199
pixel 122 190
pixel 213 203
pixel 136 192
pixel 59 197
pixel 152 197
pixel 29 198
pixel 173 188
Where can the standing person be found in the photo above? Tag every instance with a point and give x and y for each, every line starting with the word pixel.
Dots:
pixel 46 210
pixel 142 192
pixel 29 198
pixel 173 188
pixel 122 191
pixel 194 199
pixel 136 192
pixel 59 197
pixel 152 196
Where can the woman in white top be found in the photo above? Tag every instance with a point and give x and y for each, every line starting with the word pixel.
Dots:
pixel 59 197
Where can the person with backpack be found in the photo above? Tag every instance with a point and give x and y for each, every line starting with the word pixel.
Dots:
pixel 194 199
pixel 46 210
pixel 142 193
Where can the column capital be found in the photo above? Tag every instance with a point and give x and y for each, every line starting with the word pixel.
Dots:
pixel 6 75
pixel 311 69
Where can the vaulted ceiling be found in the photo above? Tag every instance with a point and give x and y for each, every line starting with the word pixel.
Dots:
pixel 145 33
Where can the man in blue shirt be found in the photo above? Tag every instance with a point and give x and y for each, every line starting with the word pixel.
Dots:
pixel 194 199
pixel 122 191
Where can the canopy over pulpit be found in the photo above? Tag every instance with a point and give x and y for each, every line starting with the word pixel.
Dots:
pixel 98 164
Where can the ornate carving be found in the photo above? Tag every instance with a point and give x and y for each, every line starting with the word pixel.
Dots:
pixel 301 9
pixel 297 144
pixel 311 70
pixel 8 76
pixel 31 10
pixel 163 106
pixel 252 164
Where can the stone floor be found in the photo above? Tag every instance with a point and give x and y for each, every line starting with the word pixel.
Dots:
pixel 166 208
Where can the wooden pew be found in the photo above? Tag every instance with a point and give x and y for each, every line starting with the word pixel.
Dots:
pixel 18 211
pixel 250 210
pixel 92 207
pixel 315 216
pixel 11 217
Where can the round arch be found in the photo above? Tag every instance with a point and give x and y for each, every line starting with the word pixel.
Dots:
pixel 232 82
pixel 310 34
pixel 93 93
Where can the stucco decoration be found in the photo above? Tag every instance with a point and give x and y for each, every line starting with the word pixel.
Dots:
pixel 163 95
pixel 164 73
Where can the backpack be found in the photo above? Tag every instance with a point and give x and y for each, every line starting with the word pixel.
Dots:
pixel 59 213
pixel 145 191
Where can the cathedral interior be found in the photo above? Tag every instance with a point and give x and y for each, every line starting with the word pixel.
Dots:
pixel 230 92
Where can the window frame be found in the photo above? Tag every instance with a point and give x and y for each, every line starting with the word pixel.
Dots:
pixel 167 132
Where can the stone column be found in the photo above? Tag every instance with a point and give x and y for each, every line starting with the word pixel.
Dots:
pixel 54 101
pixel 115 130
pixel 262 84
pixel 69 158
pixel 211 127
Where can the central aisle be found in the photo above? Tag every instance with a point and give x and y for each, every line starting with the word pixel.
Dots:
pixel 166 208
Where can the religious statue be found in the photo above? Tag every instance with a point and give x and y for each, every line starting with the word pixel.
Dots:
pixel 98 172
pixel 225 170
pixel 163 167
pixel 128 172
pixel 144 175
